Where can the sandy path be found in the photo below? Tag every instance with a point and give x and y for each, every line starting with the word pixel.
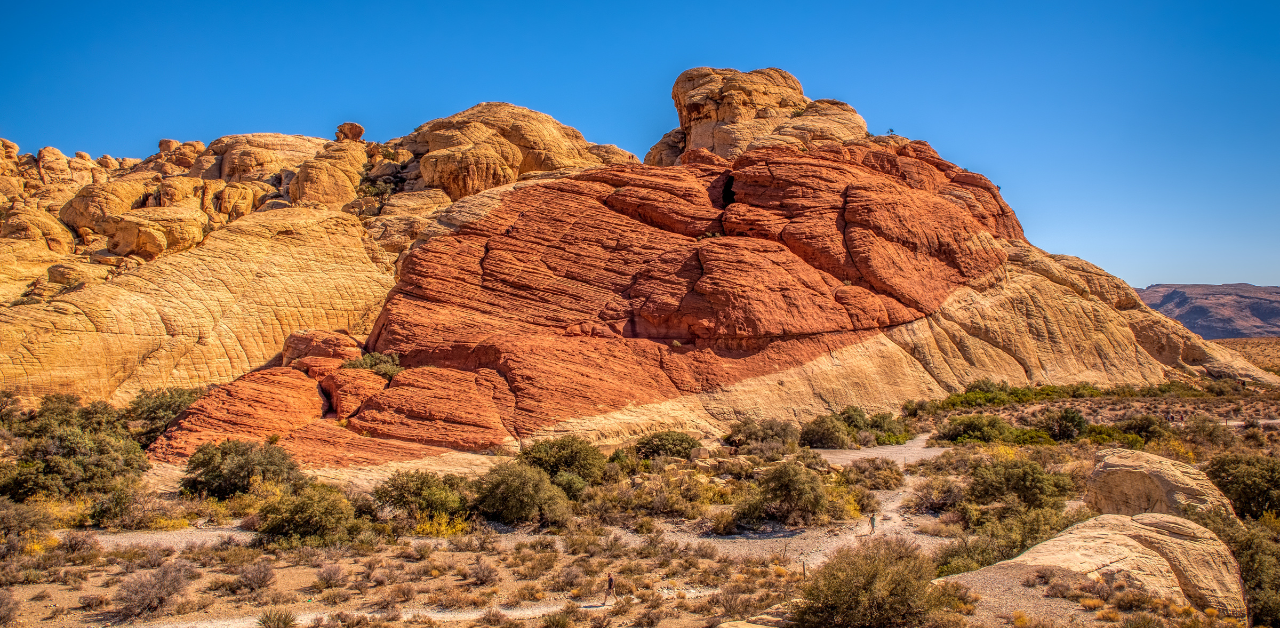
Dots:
pixel 913 451
pixel 177 539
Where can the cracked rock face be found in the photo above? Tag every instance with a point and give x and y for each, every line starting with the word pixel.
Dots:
pixel 1126 482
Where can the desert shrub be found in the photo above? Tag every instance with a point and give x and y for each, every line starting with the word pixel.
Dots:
pixel 790 493
pixel 1256 547
pixel 1224 387
pixel 1024 479
pixel 751 432
pixel 825 432
pixel 1062 424
pixel 152 411
pixel 572 454
pixel 1002 533
pixel 256 577
pixel 881 582
pixel 316 513
pixel 984 428
pixel 277 618
pixel 421 494
pixel 877 474
pixel 570 483
pixel 936 494
pixel 513 492
pixel 131 505
pixel 233 466
pixel 146 593
pixel 20 524
pixel 329 577
pixel 882 427
pixel 386 365
pixel 1203 430
pixel 1112 435
pixel 1252 483
pixel 9 607
pixel 674 444
pixel 1145 426
pixel 64 449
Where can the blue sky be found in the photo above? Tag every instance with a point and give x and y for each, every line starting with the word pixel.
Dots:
pixel 1140 136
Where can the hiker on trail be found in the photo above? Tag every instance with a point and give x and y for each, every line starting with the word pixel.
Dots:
pixel 609 591
pixel 873 523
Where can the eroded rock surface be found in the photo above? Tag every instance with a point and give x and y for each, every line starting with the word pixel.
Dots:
pixel 204 316
pixel 1127 482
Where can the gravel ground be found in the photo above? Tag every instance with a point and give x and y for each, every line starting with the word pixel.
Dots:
pixel 177 539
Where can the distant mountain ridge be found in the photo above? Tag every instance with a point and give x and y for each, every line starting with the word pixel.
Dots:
pixel 1233 310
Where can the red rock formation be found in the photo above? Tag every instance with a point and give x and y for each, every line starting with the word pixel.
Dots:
pixel 277 402
pixel 820 268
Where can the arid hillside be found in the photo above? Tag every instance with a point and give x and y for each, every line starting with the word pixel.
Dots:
pixel 1234 310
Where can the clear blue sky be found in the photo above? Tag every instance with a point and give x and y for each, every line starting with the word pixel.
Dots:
pixel 1144 137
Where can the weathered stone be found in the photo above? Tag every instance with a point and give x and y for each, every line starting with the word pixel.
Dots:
pixel 349 388
pixel 306 343
pixel 1127 482
pixel 1167 556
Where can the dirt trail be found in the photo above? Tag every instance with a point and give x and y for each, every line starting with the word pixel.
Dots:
pixel 913 451
pixel 524 611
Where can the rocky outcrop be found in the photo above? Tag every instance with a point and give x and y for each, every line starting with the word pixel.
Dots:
pixel 1126 482
pixel 308 343
pixel 729 112
pixel 1167 556
pixel 1235 310
pixel 283 403
pixel 493 144
pixel 203 316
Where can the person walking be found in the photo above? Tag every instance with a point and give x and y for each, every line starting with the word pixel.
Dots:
pixel 873 523
pixel 609 591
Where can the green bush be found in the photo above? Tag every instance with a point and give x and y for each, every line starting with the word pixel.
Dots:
pixel 420 494
pixel 882 426
pixel 790 493
pixel 64 448
pixel 1064 424
pixel 1024 479
pixel 751 432
pixel 1145 426
pixel 513 492
pixel 1256 547
pixel 387 365
pixel 1252 483
pixel 318 512
pixel 883 582
pixel 233 466
pixel 571 454
pixel 1112 435
pixel 152 411
pixel 571 483
pixel 1002 533
pixel 674 444
pixel 985 428
pixel 825 432
pixel 1203 430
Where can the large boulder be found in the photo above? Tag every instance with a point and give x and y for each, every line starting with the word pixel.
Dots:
pixel 332 177
pixel 729 112
pixel 1165 556
pixel 1127 482
pixel 492 144
pixel 1168 556
pixel 256 156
